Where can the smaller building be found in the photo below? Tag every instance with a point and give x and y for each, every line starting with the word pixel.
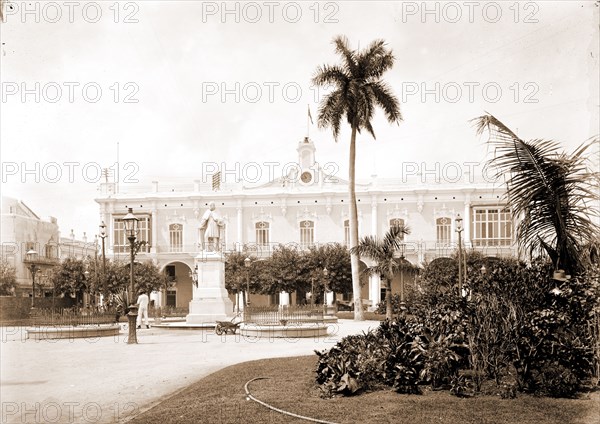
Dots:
pixel 22 231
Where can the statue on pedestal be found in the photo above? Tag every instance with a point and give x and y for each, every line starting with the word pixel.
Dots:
pixel 210 229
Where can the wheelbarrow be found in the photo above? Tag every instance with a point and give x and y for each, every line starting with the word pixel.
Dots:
pixel 226 327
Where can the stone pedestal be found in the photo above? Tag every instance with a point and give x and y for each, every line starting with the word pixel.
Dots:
pixel 210 301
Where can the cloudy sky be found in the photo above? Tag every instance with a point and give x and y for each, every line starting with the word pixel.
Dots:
pixel 177 85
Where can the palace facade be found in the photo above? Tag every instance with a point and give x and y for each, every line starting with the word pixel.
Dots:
pixel 308 205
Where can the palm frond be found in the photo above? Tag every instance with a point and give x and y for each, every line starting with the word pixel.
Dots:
pixel 548 190
pixel 330 75
pixel 331 111
pixel 342 48
pixel 376 60
pixel 385 98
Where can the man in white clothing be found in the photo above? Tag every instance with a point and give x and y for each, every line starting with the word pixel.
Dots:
pixel 142 302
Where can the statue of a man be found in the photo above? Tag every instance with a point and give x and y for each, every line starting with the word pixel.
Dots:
pixel 210 229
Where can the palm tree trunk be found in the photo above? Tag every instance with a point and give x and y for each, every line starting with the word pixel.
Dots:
pixel 388 299
pixel 354 258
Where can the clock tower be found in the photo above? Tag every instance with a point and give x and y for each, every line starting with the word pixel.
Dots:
pixel 306 161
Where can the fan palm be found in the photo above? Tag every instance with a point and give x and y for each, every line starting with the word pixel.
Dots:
pixel 383 253
pixel 358 89
pixel 551 194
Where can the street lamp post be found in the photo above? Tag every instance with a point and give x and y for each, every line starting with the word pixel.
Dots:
pixel 86 273
pixel 131 223
pixel 402 247
pixel 72 236
pixel 325 288
pixel 325 285
pixel 247 263
pixel 459 229
pixel 31 257
pixel 103 236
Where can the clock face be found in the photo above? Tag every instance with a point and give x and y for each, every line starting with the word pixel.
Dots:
pixel 306 177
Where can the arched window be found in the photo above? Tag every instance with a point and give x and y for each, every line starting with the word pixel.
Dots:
pixel 443 231
pixel 176 237
pixel 262 233
pixel 307 233
pixel 347 232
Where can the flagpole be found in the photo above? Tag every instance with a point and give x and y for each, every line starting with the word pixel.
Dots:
pixel 307 122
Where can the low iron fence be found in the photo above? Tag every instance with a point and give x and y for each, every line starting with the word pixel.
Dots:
pixel 289 314
pixel 71 317
pixel 167 311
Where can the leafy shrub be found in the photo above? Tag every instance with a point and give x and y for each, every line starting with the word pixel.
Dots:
pixel 516 330
pixel 395 305
pixel 556 381
pixel 439 361
pixel 403 363
pixel 459 386
pixel 353 364
pixel 401 354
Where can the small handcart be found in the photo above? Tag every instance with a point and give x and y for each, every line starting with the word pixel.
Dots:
pixel 227 327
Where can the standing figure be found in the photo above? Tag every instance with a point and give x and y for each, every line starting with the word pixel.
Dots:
pixel 142 302
pixel 210 229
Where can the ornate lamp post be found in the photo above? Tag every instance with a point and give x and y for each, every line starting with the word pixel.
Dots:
pixel 72 236
pixel 247 263
pixel 131 223
pixel 325 285
pixel 459 229
pixel 102 235
pixel 31 258
pixel 87 283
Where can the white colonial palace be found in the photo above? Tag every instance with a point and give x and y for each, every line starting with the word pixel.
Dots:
pixel 307 206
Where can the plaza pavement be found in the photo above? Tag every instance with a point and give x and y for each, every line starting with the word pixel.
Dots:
pixel 105 380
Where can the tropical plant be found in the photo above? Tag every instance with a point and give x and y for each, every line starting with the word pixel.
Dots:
pixel 358 89
pixel 384 253
pixel 553 195
pixel 69 278
pixel 440 361
pixel 8 278
pixel 517 330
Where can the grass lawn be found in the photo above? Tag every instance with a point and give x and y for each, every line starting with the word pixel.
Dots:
pixel 220 398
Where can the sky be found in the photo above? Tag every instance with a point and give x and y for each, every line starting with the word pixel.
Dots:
pixel 165 89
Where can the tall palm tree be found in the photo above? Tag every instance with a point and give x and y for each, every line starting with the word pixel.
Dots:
pixel 358 89
pixel 552 195
pixel 383 253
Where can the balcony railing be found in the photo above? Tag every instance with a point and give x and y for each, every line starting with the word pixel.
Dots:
pixel 412 248
pixel 42 260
